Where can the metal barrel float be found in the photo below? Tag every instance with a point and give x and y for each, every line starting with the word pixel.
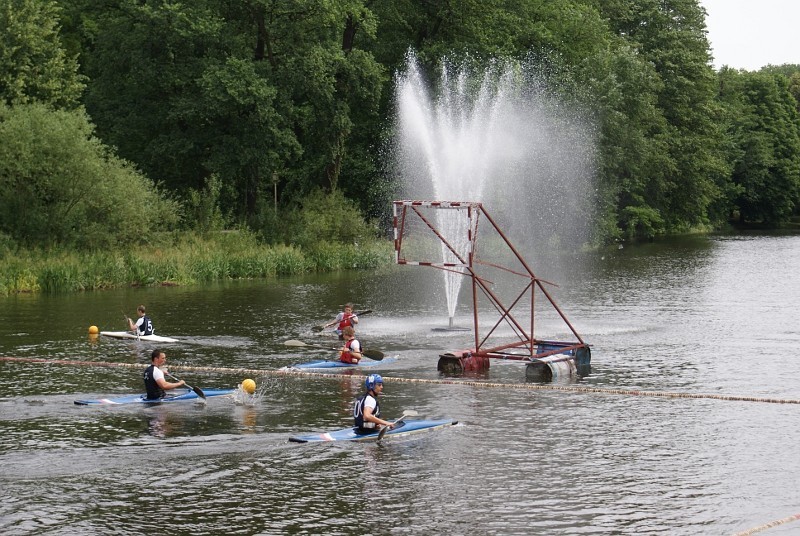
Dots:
pixel 557 366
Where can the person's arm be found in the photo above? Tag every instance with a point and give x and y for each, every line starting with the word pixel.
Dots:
pixel 369 417
pixel 354 320
pixel 334 321
pixel 164 384
pixel 131 325
pixel 355 350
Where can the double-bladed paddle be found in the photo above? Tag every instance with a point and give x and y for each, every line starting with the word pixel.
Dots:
pixel 357 313
pixel 128 325
pixel 196 390
pixel 372 354
pixel 406 413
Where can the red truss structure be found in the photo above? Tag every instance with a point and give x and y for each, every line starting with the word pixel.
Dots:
pixel 445 235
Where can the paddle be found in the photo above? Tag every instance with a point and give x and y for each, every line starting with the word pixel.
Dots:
pixel 128 323
pixel 375 355
pixel 196 390
pixel 406 413
pixel 357 313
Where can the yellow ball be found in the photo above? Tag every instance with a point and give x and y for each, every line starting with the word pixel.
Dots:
pixel 249 386
pixel 93 330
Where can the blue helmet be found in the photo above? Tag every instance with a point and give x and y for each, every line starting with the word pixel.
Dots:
pixel 372 381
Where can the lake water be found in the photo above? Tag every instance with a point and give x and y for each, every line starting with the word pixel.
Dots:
pixel 713 316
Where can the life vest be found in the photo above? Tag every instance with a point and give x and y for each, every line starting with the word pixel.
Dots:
pixel 358 414
pixel 146 328
pixel 345 321
pixel 154 391
pixel 346 356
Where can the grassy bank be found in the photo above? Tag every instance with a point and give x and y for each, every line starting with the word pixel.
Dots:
pixel 179 260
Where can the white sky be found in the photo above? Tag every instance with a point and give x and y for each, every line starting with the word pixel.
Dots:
pixel 749 34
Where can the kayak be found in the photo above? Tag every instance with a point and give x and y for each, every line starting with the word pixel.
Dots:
pixel 129 335
pixel 180 396
pixel 328 364
pixel 401 429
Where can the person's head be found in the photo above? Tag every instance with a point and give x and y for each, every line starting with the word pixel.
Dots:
pixel 348 307
pixel 374 383
pixel 348 332
pixel 140 310
pixel 158 357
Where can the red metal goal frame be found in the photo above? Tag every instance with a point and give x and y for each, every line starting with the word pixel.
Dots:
pixel 404 210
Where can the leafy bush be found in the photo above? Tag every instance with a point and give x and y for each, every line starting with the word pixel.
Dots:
pixel 642 222
pixel 59 185
pixel 330 218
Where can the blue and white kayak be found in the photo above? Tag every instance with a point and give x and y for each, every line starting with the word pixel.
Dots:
pixel 335 363
pixel 403 428
pixel 129 335
pixel 180 395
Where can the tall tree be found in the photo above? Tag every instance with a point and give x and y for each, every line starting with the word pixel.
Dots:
pixel 764 128
pixel 248 91
pixel 671 34
pixel 33 64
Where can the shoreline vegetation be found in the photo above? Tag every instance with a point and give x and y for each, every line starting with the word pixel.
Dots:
pixel 189 258
pixel 180 259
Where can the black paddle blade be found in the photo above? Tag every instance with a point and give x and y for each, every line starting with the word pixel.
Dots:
pixel 373 354
pixel 317 328
pixel 199 392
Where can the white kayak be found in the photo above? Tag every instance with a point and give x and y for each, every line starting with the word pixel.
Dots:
pixel 129 335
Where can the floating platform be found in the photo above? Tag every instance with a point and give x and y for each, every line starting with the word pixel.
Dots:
pixel 552 360
pixel 504 288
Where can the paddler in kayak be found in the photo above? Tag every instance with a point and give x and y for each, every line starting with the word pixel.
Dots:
pixel 143 326
pixel 367 411
pixel 351 351
pixel 153 376
pixel 343 319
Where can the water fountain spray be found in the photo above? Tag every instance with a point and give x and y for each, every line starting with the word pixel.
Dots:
pixel 492 137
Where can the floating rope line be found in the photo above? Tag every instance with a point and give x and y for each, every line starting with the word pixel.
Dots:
pixel 488 385
pixel 769 525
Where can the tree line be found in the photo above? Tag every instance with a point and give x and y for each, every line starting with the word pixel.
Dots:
pixel 122 118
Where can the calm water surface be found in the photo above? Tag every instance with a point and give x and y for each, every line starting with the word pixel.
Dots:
pixel 712 315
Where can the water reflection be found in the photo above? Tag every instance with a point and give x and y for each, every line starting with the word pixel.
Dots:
pixel 159 425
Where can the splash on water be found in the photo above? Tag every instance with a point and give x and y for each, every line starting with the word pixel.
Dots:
pixel 498 137
pixel 243 398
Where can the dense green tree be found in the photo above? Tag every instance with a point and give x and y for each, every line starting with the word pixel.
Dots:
pixel 252 92
pixel 60 185
pixel 792 72
pixel 253 98
pixel 33 65
pixel 764 130
pixel 633 144
pixel 671 35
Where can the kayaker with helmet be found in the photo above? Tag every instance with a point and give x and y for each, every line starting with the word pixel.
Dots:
pixel 367 411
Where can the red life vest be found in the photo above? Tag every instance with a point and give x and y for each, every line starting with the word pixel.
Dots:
pixel 346 356
pixel 345 321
